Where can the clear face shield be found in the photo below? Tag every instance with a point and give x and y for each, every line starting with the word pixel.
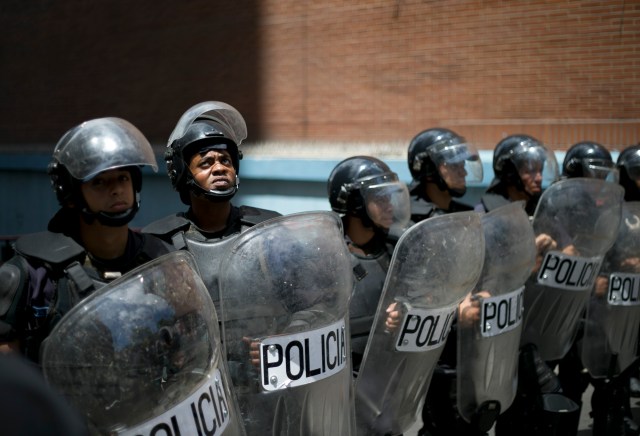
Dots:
pixel 536 165
pixel 219 112
pixel 386 201
pixel 103 144
pixel 458 164
pixel 600 169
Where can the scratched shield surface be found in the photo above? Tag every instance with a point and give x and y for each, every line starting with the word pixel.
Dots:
pixel 612 324
pixel 579 220
pixel 435 264
pixel 285 290
pixel 490 320
pixel 142 355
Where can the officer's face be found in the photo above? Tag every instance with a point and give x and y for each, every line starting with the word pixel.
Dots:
pixel 454 175
pixel 380 210
pixel 110 191
pixel 531 177
pixel 213 170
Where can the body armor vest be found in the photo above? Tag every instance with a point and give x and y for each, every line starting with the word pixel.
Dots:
pixel 370 273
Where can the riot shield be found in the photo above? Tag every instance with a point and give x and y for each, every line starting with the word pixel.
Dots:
pixel 285 290
pixel 435 264
pixel 142 355
pixel 490 318
pixel 576 222
pixel 613 317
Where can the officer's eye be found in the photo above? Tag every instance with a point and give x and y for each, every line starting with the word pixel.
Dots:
pixel 204 163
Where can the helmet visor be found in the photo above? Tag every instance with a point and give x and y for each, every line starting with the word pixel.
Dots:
pixel 386 201
pixel 632 165
pixel 536 165
pixel 458 163
pixel 221 113
pixel 600 169
pixel 103 144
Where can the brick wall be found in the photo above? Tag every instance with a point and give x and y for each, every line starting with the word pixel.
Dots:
pixel 333 70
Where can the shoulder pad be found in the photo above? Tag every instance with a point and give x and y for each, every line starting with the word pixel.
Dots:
pixel 167 225
pixel 153 246
pixel 493 201
pixel 420 207
pixel 11 279
pixel 253 215
pixel 55 249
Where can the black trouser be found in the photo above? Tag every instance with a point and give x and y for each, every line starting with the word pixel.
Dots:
pixel 440 415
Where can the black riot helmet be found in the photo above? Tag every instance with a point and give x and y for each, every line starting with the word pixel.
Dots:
pixel 628 164
pixel 518 155
pixel 211 125
pixel 589 159
pixel 432 148
pixel 91 148
pixel 366 187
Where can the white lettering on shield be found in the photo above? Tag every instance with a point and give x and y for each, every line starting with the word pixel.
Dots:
pixel 205 412
pixel 425 329
pixel 502 313
pixel 302 358
pixel 572 273
pixel 623 289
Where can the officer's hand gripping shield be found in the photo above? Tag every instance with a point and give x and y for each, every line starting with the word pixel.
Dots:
pixel 490 318
pixel 576 222
pixel 285 290
pixel 613 317
pixel 435 264
pixel 142 355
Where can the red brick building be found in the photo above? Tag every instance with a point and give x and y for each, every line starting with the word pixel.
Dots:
pixel 309 71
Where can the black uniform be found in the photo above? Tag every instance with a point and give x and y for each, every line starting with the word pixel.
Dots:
pixel 51 272
pixel 207 248
pixel 370 272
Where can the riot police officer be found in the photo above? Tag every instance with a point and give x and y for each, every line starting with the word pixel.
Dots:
pixel 522 166
pixel 374 206
pixel 441 163
pixel 545 401
pixel 628 165
pixel 203 161
pixel 592 160
pixel 96 174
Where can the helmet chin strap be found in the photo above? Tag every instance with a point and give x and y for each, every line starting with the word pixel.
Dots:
pixel 457 193
pixel 112 219
pixel 213 195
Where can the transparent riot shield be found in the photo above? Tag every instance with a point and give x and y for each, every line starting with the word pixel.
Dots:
pixel 142 355
pixel 576 223
pixel 490 318
pixel 613 317
pixel 435 264
pixel 285 290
